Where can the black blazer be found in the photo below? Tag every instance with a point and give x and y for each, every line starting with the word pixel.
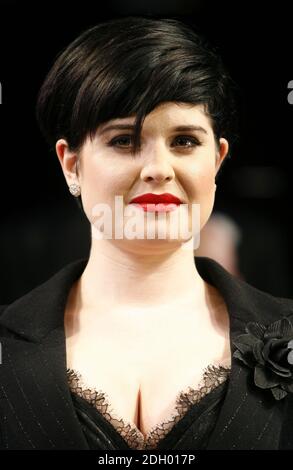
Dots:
pixel 36 409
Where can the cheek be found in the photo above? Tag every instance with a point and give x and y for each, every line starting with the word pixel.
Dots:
pixel 206 198
pixel 101 182
pixel 202 179
pixel 203 191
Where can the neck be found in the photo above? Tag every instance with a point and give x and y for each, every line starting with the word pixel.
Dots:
pixel 119 278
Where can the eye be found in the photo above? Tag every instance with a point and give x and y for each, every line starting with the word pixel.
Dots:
pixel 186 141
pixel 120 141
pixel 125 141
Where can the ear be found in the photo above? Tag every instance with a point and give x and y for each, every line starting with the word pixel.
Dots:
pixel 222 152
pixel 68 161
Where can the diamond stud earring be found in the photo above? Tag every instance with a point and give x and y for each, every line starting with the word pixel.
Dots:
pixel 74 189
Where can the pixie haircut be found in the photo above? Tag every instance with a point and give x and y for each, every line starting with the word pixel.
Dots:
pixel 126 67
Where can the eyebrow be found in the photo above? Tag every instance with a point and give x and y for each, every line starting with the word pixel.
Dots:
pixel 131 127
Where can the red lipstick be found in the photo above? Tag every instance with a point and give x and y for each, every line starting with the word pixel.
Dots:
pixel 157 202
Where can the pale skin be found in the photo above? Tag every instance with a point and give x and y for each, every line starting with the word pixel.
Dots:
pixel 141 304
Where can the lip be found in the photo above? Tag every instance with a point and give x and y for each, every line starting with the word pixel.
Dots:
pixel 151 198
pixel 151 202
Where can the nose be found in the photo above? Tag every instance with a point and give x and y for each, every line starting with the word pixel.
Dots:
pixel 158 167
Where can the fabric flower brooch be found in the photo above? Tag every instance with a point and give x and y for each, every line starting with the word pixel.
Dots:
pixel 269 351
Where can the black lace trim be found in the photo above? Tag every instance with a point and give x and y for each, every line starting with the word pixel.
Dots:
pixel 213 376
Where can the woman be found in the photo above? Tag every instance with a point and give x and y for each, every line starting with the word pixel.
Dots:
pixel 141 345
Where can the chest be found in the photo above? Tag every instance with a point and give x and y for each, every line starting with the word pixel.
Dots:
pixel 141 381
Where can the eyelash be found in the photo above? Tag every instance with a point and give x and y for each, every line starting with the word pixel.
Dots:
pixel 194 141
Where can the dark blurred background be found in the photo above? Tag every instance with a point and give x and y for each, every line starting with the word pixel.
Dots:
pixel 41 226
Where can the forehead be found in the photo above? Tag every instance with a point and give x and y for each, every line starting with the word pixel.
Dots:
pixel 168 116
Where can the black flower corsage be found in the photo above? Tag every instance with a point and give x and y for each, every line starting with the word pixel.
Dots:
pixel 269 351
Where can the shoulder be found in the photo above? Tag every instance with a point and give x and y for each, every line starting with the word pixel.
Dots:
pixel 260 306
pixel 265 299
pixel 39 311
pixel 2 309
pixel 3 331
pixel 246 302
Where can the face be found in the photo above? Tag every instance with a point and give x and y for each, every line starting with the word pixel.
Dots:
pixel 181 162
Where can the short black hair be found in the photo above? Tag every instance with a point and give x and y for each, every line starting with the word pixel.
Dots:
pixel 126 67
